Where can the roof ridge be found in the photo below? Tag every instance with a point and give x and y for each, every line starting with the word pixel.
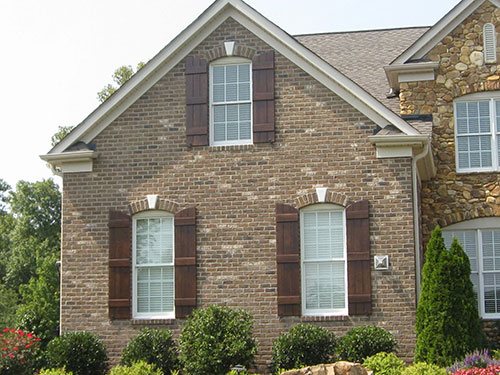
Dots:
pixel 363 31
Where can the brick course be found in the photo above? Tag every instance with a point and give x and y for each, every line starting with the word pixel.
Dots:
pixel 321 141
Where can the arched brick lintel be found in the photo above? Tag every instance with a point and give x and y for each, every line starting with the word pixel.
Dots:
pixel 161 204
pixel 458 217
pixel 331 197
pixel 488 85
pixel 239 51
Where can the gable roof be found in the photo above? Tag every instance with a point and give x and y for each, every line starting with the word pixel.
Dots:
pixel 442 28
pixel 362 55
pixel 194 34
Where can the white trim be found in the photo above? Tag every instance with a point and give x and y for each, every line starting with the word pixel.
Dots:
pixel 194 34
pixel 152 200
pixel 71 162
pixel 225 61
pixel 442 28
pixel 491 97
pixel 229 47
pixel 416 77
pixel 478 226
pixel 150 215
pixel 321 194
pixel 323 312
pixel 411 71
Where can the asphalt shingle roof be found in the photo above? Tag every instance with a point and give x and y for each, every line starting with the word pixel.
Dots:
pixel 362 55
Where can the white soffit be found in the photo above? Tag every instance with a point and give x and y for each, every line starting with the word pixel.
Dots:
pixel 194 34
pixel 442 28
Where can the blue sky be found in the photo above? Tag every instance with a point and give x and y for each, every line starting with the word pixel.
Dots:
pixel 57 54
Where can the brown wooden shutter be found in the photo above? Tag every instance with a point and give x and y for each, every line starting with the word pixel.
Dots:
pixel 185 262
pixel 358 259
pixel 288 260
pixel 120 280
pixel 196 101
pixel 263 97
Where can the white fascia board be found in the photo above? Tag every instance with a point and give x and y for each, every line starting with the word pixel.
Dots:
pixel 416 77
pixel 394 146
pixel 71 162
pixel 418 70
pixel 442 28
pixel 193 35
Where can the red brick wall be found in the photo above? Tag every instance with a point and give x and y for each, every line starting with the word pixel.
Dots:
pixel 320 141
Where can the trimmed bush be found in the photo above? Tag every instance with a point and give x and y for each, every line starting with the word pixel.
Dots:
pixel 423 368
pixel 154 346
pixel 215 339
pixel 82 353
pixel 138 368
pixel 384 364
pixel 447 324
pixel 55 371
pixel 361 342
pixel 304 345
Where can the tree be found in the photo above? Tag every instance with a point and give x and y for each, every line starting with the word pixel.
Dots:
pixel 448 325
pixel 62 132
pixel 120 76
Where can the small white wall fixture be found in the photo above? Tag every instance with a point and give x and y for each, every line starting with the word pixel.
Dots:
pixel 381 262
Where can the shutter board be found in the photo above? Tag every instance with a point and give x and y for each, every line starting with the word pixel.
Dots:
pixel 288 260
pixel 120 277
pixel 358 258
pixel 263 97
pixel 196 101
pixel 490 43
pixel 185 262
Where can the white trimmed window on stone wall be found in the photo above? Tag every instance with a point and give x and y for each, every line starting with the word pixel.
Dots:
pixel 477 132
pixel 153 265
pixel 230 101
pixel 323 260
pixel 480 239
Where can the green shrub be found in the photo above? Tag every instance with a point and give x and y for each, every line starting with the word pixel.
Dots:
pixel 154 346
pixel 18 352
pixel 215 339
pixel 447 323
pixel 423 368
pixel 304 345
pixel 138 368
pixel 55 371
pixel 384 364
pixel 79 352
pixel 361 342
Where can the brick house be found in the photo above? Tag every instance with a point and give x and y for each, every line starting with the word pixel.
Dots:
pixel 246 167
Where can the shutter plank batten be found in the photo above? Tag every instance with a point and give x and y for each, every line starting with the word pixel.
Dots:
pixel 196 101
pixel 358 258
pixel 120 263
pixel 288 260
pixel 185 262
pixel 263 97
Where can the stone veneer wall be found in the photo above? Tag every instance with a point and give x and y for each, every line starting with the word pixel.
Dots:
pixel 452 197
pixel 321 141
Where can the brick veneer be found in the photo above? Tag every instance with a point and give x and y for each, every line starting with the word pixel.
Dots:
pixel 321 141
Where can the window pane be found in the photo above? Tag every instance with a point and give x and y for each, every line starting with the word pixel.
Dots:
pixel 474 151
pixel 323 235
pixel 154 241
pixel 497 107
pixel 325 285
pixel 231 73
pixel 155 289
pixel 491 293
pixel 219 132
pixel 218 75
pixel 244 73
pixel 231 92
pixel 218 94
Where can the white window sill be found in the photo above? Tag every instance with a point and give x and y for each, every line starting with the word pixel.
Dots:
pixel 324 318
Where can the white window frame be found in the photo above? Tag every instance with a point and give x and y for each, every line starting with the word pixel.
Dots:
pixel 491 97
pixel 323 312
pixel 478 225
pixel 153 214
pixel 222 62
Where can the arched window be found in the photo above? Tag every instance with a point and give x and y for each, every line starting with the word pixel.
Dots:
pixel 153 265
pixel 323 260
pixel 480 238
pixel 230 101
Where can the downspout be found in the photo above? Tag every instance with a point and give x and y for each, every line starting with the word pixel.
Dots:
pixel 416 221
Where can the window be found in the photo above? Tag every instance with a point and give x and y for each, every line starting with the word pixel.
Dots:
pixel 323 258
pixel 490 43
pixel 230 102
pixel 153 265
pixel 480 239
pixel 477 133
